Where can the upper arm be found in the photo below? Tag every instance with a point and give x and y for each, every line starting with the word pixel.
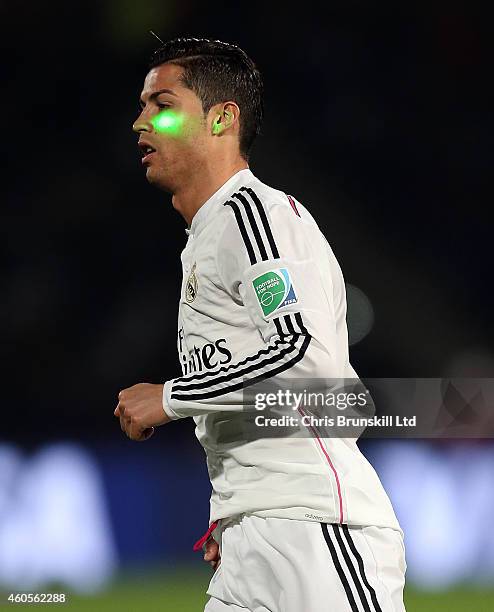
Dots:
pixel 265 261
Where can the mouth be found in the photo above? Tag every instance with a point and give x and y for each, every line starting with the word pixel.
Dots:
pixel 146 151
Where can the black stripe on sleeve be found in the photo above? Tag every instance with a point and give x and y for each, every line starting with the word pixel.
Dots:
pixel 232 366
pixel 338 568
pixel 351 568
pixel 253 224
pixel 243 231
pixel 245 383
pixel 360 563
pixel 284 333
pixel 224 369
pixel 289 324
pixel 228 373
pixel 264 219
pixel 298 318
pixel 291 346
pixel 278 327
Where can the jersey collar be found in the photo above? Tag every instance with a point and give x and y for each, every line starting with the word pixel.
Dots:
pixel 223 192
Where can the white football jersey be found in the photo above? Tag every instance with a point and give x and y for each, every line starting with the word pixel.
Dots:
pixel 248 237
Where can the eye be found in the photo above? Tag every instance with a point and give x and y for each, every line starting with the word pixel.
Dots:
pixel 162 106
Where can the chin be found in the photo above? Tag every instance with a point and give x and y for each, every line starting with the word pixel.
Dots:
pixel 157 179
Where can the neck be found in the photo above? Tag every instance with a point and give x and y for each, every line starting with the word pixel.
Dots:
pixel 205 182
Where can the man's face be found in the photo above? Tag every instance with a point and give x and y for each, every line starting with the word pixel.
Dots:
pixel 173 132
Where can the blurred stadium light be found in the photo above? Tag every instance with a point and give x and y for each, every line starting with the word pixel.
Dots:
pixel 53 520
pixel 443 496
pixel 360 314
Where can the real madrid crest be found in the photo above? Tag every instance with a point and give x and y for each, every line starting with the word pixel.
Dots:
pixel 191 286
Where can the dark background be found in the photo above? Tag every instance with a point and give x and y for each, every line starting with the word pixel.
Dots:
pixel 377 119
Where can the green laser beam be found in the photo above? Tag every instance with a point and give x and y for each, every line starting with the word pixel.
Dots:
pixel 169 122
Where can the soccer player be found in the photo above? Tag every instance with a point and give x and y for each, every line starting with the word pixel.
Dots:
pixel 297 524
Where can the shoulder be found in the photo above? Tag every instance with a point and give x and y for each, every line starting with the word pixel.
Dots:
pixel 248 218
pixel 271 198
pixel 254 205
pixel 264 223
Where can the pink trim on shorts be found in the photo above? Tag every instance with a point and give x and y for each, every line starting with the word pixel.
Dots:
pixel 201 541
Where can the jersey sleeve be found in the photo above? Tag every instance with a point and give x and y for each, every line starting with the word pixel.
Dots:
pixel 266 263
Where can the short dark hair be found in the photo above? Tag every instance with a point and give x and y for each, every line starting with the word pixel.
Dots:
pixel 216 72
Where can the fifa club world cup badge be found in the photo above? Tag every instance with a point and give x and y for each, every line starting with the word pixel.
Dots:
pixel 191 286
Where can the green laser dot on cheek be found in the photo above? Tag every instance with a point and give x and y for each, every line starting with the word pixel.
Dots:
pixel 168 122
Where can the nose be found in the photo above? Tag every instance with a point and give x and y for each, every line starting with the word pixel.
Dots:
pixel 141 124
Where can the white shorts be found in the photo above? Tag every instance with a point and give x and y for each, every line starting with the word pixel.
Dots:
pixel 283 565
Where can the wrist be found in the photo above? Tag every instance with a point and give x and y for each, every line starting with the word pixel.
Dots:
pixel 166 403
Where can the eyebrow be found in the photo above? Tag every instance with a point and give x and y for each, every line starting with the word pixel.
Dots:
pixel 155 94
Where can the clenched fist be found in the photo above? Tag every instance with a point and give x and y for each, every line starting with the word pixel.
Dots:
pixel 140 409
pixel 212 553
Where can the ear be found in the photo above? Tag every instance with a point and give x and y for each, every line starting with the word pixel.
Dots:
pixel 225 117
